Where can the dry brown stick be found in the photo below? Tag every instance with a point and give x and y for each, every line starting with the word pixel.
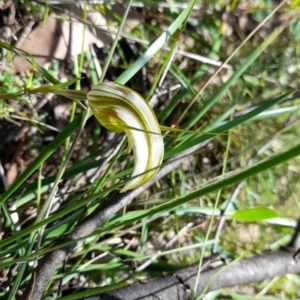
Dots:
pixel 26 31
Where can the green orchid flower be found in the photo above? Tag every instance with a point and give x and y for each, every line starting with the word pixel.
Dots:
pixel 120 109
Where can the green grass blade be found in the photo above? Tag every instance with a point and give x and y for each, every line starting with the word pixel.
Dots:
pixel 250 60
pixel 229 125
pixel 157 45
pixel 226 182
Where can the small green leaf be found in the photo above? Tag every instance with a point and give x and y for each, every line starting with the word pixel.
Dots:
pixel 255 214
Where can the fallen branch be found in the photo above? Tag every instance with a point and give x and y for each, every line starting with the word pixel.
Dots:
pixel 179 286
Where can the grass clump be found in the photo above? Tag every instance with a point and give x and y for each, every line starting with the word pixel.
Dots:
pixel 64 168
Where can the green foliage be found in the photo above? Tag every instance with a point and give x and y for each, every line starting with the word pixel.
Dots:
pixel 247 117
pixel 255 214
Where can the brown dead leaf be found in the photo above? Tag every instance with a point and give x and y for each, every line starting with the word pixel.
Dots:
pixel 60 40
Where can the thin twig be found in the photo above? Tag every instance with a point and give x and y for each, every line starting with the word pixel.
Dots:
pixel 25 32
pixel 33 121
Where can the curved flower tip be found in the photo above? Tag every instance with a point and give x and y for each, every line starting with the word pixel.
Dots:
pixel 120 109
